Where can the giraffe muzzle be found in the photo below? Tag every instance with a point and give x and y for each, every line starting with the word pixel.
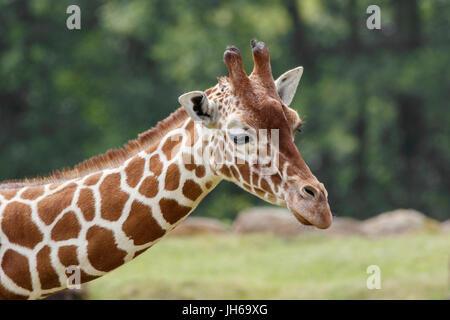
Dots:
pixel 309 204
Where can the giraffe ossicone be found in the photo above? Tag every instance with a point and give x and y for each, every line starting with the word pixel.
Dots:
pixel 84 222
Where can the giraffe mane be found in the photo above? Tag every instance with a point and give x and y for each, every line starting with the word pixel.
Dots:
pixel 111 158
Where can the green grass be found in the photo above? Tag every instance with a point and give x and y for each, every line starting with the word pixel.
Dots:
pixel 267 267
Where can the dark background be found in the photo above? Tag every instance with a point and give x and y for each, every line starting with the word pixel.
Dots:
pixel 375 102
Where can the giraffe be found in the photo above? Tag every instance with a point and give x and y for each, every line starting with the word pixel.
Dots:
pixel 109 209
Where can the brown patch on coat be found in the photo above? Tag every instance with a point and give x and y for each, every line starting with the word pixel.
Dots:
pixel 113 198
pixel 235 173
pixel 141 226
pixel 172 146
pixel 255 178
pixel 276 181
pixel 32 193
pixel 8 194
pixel 172 211
pixel 5 294
pixel 192 134
pixel 86 203
pixel 172 179
pixel 17 268
pixel 102 250
pixel 192 190
pixel 244 169
pixel 259 192
pixel 93 179
pixel 134 171
pixel 66 228
pixel 265 186
pixel 18 226
pixel 200 171
pixel 225 171
pixel 190 166
pixel 51 206
pixel 47 274
pixel 155 165
pixel 68 255
pixel 149 187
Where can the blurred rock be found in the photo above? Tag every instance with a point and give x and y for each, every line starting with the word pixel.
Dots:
pixel 280 221
pixel 67 295
pixel 343 226
pixel 398 222
pixel 445 226
pixel 198 225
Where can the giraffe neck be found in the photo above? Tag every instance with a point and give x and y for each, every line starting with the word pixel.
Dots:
pixel 85 227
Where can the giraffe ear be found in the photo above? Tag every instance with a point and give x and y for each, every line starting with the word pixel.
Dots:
pixel 198 107
pixel 287 84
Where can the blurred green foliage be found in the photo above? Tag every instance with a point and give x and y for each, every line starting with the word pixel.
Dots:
pixel 375 102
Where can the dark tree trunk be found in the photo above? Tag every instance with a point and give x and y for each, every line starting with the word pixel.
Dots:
pixel 408 24
pixel 410 123
pixel 352 49
pixel 300 46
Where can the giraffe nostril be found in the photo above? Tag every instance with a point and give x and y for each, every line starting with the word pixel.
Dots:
pixel 309 192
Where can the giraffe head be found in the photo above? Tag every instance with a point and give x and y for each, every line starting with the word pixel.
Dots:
pixel 247 131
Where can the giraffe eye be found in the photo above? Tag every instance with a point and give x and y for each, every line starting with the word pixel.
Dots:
pixel 239 136
pixel 241 139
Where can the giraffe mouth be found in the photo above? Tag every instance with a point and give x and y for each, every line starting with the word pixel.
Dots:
pixel 309 213
pixel 301 219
